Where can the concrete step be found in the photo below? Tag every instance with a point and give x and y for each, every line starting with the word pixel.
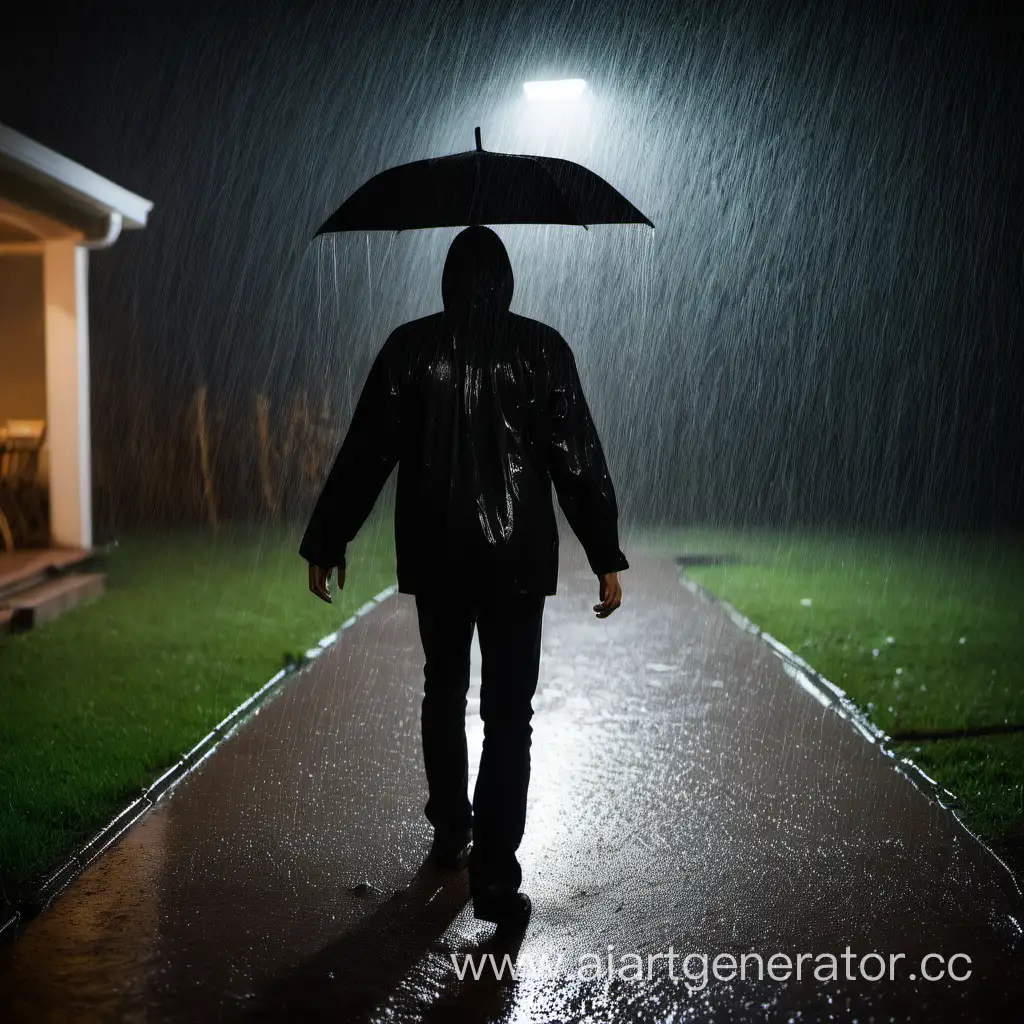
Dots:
pixel 46 601
pixel 22 570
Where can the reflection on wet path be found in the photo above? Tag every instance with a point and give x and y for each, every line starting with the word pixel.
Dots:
pixel 686 794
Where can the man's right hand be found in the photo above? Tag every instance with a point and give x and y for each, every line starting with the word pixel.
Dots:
pixel 610 594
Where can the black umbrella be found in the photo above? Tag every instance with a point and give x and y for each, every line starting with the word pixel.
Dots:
pixel 479 187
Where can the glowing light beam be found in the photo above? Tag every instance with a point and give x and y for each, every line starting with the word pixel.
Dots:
pixel 565 89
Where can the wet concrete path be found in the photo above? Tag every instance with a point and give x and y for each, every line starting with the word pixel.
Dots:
pixel 687 796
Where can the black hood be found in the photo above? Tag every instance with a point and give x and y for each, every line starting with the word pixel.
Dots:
pixel 477 274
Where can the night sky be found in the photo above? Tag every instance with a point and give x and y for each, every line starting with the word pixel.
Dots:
pixel 822 328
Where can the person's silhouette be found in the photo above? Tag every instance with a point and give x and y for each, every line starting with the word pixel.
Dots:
pixel 482 410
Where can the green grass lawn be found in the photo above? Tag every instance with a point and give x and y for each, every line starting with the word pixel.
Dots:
pixel 99 702
pixel 924 634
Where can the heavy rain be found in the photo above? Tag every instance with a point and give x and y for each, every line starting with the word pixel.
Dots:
pixel 806 380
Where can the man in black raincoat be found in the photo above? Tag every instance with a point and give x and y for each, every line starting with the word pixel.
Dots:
pixel 483 411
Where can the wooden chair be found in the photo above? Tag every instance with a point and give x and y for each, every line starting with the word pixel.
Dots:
pixel 22 502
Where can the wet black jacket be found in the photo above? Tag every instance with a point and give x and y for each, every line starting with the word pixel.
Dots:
pixel 482 410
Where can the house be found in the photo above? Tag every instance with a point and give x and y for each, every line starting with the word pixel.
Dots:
pixel 53 211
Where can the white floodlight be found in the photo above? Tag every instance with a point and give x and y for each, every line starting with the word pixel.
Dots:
pixel 565 89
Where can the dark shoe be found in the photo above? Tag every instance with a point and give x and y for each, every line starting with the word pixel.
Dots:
pixel 508 909
pixel 451 852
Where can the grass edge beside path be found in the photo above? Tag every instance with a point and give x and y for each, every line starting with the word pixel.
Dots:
pixel 922 633
pixel 103 700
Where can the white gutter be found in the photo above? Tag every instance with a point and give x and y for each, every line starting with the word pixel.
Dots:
pixel 114 223
pixel 84 188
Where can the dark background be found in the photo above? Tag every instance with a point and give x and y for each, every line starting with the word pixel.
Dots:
pixel 822 329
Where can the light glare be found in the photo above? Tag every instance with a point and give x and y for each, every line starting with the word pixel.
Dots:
pixel 566 89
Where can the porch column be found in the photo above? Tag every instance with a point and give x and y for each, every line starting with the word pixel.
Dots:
pixel 65 290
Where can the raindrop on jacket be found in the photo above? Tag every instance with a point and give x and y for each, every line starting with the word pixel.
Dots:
pixel 483 411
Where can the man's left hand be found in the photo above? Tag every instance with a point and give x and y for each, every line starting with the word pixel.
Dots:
pixel 320 581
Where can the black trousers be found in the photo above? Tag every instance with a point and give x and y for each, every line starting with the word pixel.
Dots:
pixel 510 631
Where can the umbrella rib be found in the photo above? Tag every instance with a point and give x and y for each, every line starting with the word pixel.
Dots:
pixel 537 161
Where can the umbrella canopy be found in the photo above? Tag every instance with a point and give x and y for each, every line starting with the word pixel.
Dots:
pixel 480 187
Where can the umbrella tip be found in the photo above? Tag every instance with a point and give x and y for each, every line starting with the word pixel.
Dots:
pixel 479 144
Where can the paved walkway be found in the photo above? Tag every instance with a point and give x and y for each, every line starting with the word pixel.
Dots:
pixel 687 794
